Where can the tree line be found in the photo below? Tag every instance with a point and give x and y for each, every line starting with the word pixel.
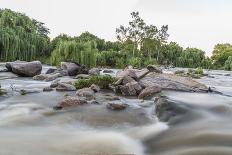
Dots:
pixel 138 44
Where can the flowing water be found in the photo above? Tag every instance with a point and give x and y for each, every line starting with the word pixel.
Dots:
pixel 29 126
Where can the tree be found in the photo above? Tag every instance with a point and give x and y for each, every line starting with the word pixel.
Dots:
pixel 228 64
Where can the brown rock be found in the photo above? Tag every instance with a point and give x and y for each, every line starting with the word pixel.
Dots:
pixel 148 91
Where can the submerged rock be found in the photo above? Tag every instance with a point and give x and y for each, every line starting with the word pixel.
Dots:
pixel 46 89
pixel 108 71
pixel 116 106
pixel 173 82
pixel 22 68
pixel 70 102
pixel 87 93
pixel 149 91
pixel 167 109
pixel 28 91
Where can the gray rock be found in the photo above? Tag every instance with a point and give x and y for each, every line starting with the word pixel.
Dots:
pixel 128 72
pixel 28 69
pixel 116 106
pixel 40 77
pixel 153 68
pixel 47 89
pixel 65 87
pixel 149 91
pixel 82 76
pixel 72 68
pixel 51 77
pixel 70 102
pixel 131 89
pixel 94 71
pixel 108 71
pixel 87 93
pixel 95 88
pixel 51 70
pixel 167 109
pixel 173 82
pixel 54 83
pixel 28 91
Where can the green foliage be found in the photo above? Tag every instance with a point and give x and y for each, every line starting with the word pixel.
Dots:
pixel 221 53
pixel 102 81
pixel 21 37
pixel 228 64
pixel 135 62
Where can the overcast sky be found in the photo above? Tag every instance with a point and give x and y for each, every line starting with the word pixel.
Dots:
pixel 193 23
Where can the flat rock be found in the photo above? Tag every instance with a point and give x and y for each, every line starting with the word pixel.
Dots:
pixel 131 89
pixel 65 87
pixel 149 91
pixel 116 106
pixel 173 82
pixel 87 93
pixel 69 101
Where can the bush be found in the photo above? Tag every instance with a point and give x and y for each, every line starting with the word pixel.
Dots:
pixel 135 62
pixel 102 81
pixel 151 61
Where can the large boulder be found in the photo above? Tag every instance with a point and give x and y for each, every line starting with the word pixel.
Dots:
pixel 94 71
pixel 70 102
pixel 167 109
pixel 127 72
pixel 27 69
pixel 131 89
pixel 149 91
pixel 173 82
pixel 73 68
pixel 87 93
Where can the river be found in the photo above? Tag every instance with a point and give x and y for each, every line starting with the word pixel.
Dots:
pixel 29 125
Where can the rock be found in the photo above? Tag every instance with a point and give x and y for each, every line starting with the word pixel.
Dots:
pixel 51 70
pixel 167 109
pixel 82 76
pixel 94 102
pixel 72 68
pixel 227 74
pixel 148 91
pixel 88 93
pixel 94 71
pixel 4 70
pixel 131 89
pixel 112 98
pixel 153 68
pixel 65 87
pixel 95 88
pixel 52 77
pixel 173 82
pixel 2 91
pixel 108 71
pixel 142 73
pixel 28 69
pixel 40 77
pixel 127 79
pixel 54 84
pixel 70 102
pixel 128 72
pixel 116 106
pixel 62 72
pixel 46 89
pixel 28 91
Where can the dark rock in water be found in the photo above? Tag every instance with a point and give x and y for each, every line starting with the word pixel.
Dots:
pixel 28 91
pixel 131 89
pixel 94 71
pixel 95 88
pixel 70 102
pixel 112 98
pixel 117 106
pixel 40 77
pixel 128 72
pixel 167 109
pixel 87 93
pixel 27 69
pixel 65 87
pixel 54 83
pixel 72 68
pixel 153 68
pixel 62 72
pixel 94 102
pixel 173 82
pixel 82 76
pixel 46 89
pixel 52 77
pixel 2 91
pixel 51 70
pixel 108 71
pixel 149 91
pixel 226 74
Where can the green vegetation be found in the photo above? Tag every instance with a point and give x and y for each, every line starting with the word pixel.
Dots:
pixel 102 81
pixel 21 37
pixel 138 44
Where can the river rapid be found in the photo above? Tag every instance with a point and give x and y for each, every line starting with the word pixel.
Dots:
pixel 29 125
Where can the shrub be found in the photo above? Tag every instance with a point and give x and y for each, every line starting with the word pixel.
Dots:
pixel 135 62
pixel 102 81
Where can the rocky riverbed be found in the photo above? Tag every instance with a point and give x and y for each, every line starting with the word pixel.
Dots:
pixel 174 115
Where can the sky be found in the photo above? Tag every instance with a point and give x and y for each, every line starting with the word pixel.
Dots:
pixel 192 23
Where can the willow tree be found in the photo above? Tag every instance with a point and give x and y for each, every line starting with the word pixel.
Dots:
pixel 72 50
pixel 21 37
